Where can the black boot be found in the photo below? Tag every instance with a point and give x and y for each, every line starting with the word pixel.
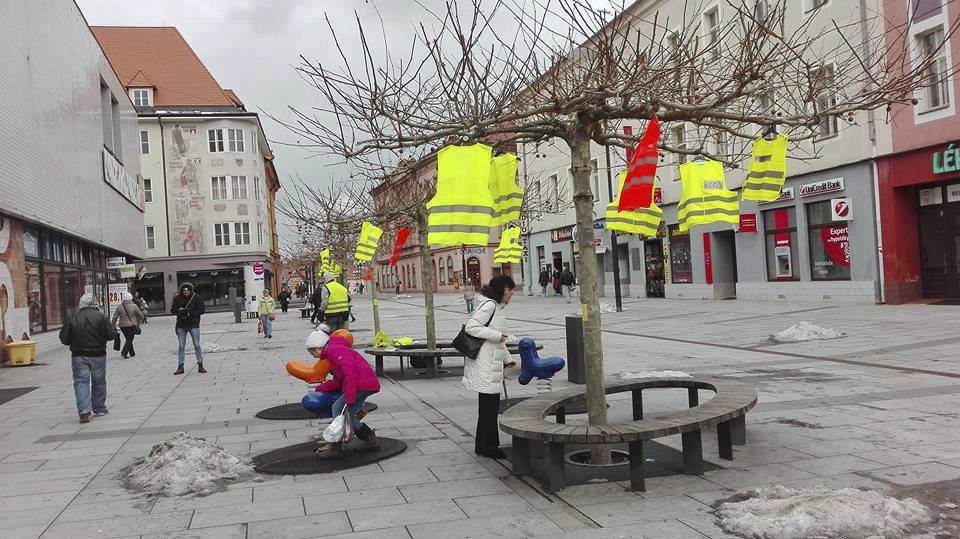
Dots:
pixel 368 439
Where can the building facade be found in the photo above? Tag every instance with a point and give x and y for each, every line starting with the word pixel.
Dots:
pixel 70 191
pixel 209 180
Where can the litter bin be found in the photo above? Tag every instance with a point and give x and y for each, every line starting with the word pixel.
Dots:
pixel 576 370
pixel 22 352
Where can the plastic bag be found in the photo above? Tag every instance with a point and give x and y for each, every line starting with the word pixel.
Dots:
pixel 259 326
pixel 340 429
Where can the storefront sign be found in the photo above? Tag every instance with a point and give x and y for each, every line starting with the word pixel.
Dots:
pixel 819 188
pixel 258 268
pixel 666 262
pixel 947 160
pixel 841 209
pixel 115 292
pixel 598 245
pixel 31 244
pixel 475 251
pixel 707 258
pixel 748 222
pixel 116 261
pixel 561 234
pixel 657 196
pixel 125 183
pixel 953 195
pixel 786 193
pixel 931 197
pixel 128 271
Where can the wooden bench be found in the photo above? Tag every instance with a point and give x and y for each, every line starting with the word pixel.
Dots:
pixel 419 350
pixel 726 410
pixel 306 312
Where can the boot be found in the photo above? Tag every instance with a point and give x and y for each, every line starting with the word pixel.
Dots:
pixel 179 370
pixel 368 440
pixel 200 368
pixel 330 451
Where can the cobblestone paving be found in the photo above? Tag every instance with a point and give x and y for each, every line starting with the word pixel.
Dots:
pixel 875 409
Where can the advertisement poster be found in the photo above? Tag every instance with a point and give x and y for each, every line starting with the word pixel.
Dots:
pixel 836 242
pixel 14 311
pixel 115 293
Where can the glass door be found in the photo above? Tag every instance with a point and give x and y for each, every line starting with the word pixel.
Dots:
pixel 934 253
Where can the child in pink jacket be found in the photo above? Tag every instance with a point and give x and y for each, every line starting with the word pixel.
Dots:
pixel 354 381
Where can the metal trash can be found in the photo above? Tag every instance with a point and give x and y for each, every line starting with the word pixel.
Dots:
pixel 576 370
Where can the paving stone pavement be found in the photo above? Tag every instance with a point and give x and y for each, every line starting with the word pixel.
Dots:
pixel 875 409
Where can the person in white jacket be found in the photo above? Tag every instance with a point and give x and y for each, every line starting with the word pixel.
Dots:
pixel 485 374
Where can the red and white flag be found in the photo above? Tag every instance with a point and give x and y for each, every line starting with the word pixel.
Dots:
pixel 637 189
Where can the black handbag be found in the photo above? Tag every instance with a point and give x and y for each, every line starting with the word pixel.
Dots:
pixel 116 342
pixel 185 311
pixel 467 344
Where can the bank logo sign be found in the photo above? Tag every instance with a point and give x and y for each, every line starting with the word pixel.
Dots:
pixel 819 188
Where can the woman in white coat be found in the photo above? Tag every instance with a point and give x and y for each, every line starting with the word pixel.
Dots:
pixel 485 374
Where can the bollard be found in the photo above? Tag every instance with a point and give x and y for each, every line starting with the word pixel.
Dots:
pixel 576 370
pixel 232 299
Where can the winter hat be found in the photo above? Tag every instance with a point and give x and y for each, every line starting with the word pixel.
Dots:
pixel 323 327
pixel 187 286
pixel 89 300
pixel 317 339
pixel 127 296
pixel 327 277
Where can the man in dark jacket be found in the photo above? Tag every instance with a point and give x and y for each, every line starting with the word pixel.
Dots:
pixel 317 301
pixel 567 280
pixel 187 307
pixel 86 333
pixel 284 298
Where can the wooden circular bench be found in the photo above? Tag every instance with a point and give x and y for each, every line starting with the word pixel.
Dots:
pixel 726 410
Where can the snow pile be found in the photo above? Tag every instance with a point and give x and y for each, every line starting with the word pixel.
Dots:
pixel 653 374
pixel 184 465
pixel 805 331
pixel 607 308
pixel 404 296
pixel 212 348
pixel 786 513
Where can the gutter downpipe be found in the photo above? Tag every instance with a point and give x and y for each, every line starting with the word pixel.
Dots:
pixel 874 180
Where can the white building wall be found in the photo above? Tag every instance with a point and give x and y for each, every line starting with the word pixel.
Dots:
pixel 151 167
pixel 51 169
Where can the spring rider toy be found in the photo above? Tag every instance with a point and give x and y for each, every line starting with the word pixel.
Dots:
pixel 316 373
pixel 533 366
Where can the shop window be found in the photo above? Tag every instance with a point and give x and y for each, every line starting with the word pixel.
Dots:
pixel 443 273
pixel 780 243
pixel 829 244
pixel 450 273
pixel 71 289
pixel 34 297
pixel 151 290
pixel 681 262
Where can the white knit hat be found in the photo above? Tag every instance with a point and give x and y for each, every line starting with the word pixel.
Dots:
pixel 317 339
pixel 327 277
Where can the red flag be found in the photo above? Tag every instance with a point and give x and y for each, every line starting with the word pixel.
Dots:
pixel 369 275
pixel 402 235
pixel 638 187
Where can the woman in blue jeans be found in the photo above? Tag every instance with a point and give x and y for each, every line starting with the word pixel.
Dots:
pixel 187 307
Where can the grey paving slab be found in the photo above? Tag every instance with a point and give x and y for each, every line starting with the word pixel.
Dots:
pixel 650 529
pixel 385 533
pixel 530 525
pixel 404 515
pixel 494 504
pixel 236 531
pixel 328 503
pixel 246 512
pixel 453 489
pixel 298 489
pixel 627 512
pixel 301 527
pixel 121 526
pixel 916 474
pixel 413 476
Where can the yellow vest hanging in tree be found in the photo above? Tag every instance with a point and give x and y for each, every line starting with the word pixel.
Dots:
pixel 367 243
pixel 461 212
pixel 507 197
pixel 324 262
pixel 643 221
pixel 767 170
pixel 509 250
pixel 705 197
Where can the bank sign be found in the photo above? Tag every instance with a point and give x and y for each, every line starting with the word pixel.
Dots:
pixel 947 160
pixel 819 188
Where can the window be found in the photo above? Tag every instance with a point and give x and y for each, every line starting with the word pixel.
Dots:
pixel 221 234
pixel 144 142
pixel 218 188
pixel 142 97
pixel 679 143
pixel 241 232
pixel 106 115
pixel 936 93
pixel 450 273
pixel 235 140
pixel 238 187
pixel 765 101
pixel 681 263
pixel 814 5
pixel 256 188
pixel 824 87
pixel 553 193
pixel 780 243
pixel 829 244
pixel 595 180
pixel 761 10
pixel 254 142
pixel 117 142
pixel 147 190
pixel 711 31
pixel 443 273
pixel 259 233
pixel 215 138
pixel 673 48
pixel 536 195
pixel 721 146
pixel 151 237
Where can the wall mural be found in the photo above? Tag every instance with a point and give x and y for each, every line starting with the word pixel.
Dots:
pixel 187 193
pixel 14 312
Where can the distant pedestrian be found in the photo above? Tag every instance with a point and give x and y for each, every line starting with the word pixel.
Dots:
pixel 557 282
pixel 568 281
pixel 87 333
pixel 544 280
pixel 317 301
pixel 284 298
pixel 141 304
pixel 267 311
pixel 188 307
pixel 129 317
pixel 362 285
pixel 468 295
pixel 398 287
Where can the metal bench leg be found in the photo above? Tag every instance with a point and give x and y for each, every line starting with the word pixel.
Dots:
pixel 693 396
pixel 431 367
pixel 521 456
pixel 379 362
pixel 557 467
pixel 692 453
pixel 636 466
pixel 723 440
pixel 637 404
pixel 561 415
pixel 738 430
pixel 401 366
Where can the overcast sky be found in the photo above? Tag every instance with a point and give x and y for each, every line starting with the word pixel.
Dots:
pixel 252 46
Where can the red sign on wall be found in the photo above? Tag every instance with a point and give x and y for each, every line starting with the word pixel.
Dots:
pixel 748 222
pixel 657 196
pixel 707 258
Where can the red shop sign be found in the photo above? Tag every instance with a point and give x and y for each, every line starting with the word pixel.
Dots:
pixel 748 222
pixel 707 258
pixel 836 242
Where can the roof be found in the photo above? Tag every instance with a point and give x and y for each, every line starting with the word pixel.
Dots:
pixel 160 57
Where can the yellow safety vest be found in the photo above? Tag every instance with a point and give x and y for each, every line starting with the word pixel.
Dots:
pixel 461 212
pixel 507 197
pixel 705 197
pixel 339 300
pixel 324 262
pixel 367 244
pixel 643 221
pixel 509 250
pixel 767 170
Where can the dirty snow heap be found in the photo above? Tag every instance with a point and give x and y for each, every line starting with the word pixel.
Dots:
pixel 653 374
pixel 184 465
pixel 805 331
pixel 786 513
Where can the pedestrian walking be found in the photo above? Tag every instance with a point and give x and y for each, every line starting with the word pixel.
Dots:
pixel 284 298
pixel 317 301
pixel 398 287
pixel 267 311
pixel 141 304
pixel 468 295
pixel 334 303
pixel 187 306
pixel 568 281
pixel 557 281
pixel 87 333
pixel 485 373
pixel 130 318
pixel 544 280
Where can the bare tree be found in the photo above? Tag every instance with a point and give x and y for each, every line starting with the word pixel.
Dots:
pixel 465 80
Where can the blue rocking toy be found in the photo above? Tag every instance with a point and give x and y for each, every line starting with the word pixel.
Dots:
pixel 319 403
pixel 533 366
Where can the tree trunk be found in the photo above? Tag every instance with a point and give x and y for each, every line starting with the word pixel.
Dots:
pixel 427 279
pixel 374 283
pixel 590 304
